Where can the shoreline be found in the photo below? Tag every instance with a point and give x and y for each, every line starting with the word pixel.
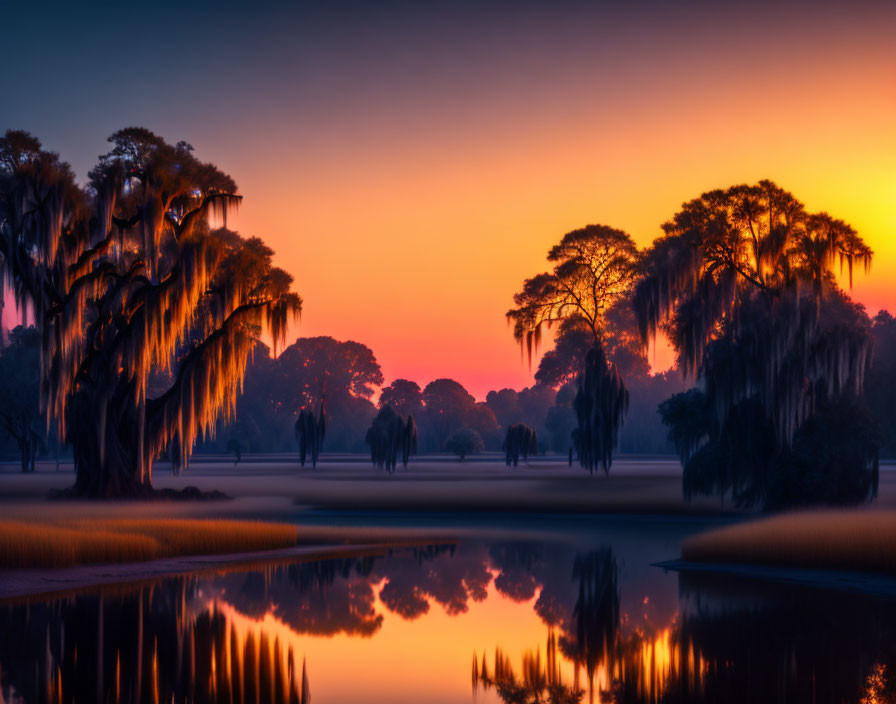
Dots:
pixel 854 582
pixel 44 584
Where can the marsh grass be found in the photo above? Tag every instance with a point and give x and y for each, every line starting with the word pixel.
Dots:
pixel 841 540
pixel 88 541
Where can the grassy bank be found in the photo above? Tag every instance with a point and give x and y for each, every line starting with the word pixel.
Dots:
pixel 835 539
pixel 87 541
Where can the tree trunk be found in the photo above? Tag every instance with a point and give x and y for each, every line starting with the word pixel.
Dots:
pixel 115 469
pixel 23 449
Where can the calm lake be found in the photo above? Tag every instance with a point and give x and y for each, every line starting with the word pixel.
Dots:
pixel 550 612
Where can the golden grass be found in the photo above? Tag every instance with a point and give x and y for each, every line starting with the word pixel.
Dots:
pixel 85 541
pixel 843 540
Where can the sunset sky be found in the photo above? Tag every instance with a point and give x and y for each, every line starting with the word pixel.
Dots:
pixel 412 163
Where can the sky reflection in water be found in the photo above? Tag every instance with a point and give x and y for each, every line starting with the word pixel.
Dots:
pixel 484 620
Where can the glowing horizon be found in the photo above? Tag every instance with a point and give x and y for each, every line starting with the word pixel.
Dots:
pixel 412 167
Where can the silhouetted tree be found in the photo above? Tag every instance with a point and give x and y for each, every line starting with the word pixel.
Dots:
pixel 20 415
pixel 448 406
pixel 595 269
pixel 310 433
pixel 746 256
pixel 404 396
pixel 125 278
pixel 880 386
pixel 520 441
pixel 463 442
pixel 600 404
pixel 562 364
pixel 314 367
pixel 560 421
pixel 830 458
pixel 276 389
pixel 529 406
pixel 389 436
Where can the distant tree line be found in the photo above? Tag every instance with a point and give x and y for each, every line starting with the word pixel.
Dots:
pixel 346 374
pixel 276 390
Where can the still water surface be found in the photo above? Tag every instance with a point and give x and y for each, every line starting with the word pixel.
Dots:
pixel 559 614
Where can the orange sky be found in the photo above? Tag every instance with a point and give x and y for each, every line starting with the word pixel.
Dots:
pixel 411 164
pixel 414 244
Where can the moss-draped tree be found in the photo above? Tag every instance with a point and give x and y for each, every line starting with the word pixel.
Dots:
pixel 391 437
pixel 519 441
pixel 310 433
pixel 147 315
pixel 743 282
pixel 595 268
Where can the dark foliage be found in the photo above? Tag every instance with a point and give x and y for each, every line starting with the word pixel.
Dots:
pixel 463 442
pixel 404 396
pixel 600 405
pixel 390 437
pixel 880 384
pixel 588 294
pixel 742 283
pixel 20 416
pixel 832 459
pixel 129 286
pixel 310 433
pixel 449 407
pixel 520 441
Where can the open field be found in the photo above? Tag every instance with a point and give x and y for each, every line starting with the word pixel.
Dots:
pixel 278 489
pixel 854 540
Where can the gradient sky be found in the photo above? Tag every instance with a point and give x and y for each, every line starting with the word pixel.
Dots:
pixel 412 163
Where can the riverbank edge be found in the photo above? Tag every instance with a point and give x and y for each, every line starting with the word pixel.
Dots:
pixel 43 584
pixel 865 583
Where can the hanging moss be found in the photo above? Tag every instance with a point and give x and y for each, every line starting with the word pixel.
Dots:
pixel 127 283
pixel 391 437
pixel 600 404
pixel 520 441
pixel 310 433
pixel 750 266
pixel 595 268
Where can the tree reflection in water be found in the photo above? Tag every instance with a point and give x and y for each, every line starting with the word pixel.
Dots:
pixel 233 637
pixel 143 646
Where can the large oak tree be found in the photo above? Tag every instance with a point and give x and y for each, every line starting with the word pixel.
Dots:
pixel 147 315
pixel 743 281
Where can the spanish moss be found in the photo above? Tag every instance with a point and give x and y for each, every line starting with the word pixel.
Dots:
pixel 389 437
pixel 600 404
pixel 310 433
pixel 520 441
pixel 128 284
pixel 730 252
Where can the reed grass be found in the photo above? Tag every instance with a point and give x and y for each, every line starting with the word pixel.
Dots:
pixel 854 540
pixel 89 541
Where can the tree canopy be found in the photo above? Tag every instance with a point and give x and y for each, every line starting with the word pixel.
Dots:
pixel 463 442
pixel 448 406
pixel 743 282
pixel 389 435
pixel 403 395
pixel 595 268
pixel 729 250
pixel 127 284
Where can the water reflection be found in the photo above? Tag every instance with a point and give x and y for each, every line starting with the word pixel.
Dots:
pixel 544 622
